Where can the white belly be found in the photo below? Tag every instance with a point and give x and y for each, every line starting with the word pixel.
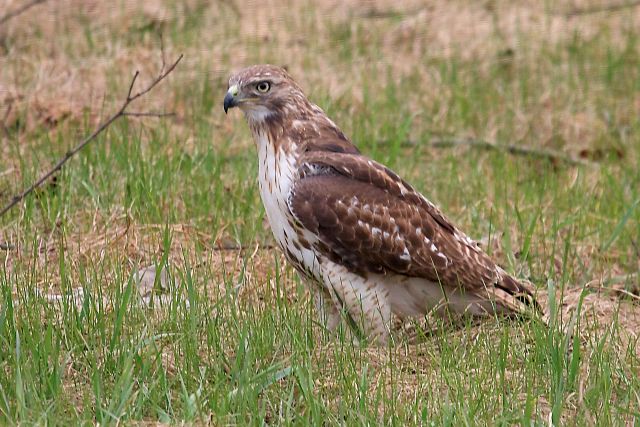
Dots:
pixel 276 175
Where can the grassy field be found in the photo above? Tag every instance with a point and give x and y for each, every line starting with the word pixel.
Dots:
pixel 233 339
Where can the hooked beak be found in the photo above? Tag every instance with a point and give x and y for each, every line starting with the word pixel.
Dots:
pixel 230 99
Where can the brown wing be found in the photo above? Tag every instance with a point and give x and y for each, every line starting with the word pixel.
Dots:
pixel 368 218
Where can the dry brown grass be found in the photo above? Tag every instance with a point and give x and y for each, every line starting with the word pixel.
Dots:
pixel 50 83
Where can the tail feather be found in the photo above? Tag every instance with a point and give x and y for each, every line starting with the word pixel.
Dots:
pixel 517 295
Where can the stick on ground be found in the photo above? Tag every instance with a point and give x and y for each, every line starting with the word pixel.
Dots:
pixel 511 149
pixel 120 113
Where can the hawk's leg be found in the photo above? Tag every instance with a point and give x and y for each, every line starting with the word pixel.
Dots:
pixel 365 302
pixel 327 311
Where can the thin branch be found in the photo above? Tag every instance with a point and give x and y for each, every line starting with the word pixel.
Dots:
pixel 133 82
pixel 519 150
pixel 120 113
pixel 13 13
pixel 158 79
pixel 603 8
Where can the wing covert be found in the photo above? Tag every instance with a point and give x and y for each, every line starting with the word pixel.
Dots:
pixel 368 218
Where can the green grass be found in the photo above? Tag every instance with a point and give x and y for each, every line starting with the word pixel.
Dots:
pixel 238 343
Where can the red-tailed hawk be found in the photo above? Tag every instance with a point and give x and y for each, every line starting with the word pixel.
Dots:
pixel 366 242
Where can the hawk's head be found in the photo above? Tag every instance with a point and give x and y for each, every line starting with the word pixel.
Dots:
pixel 264 92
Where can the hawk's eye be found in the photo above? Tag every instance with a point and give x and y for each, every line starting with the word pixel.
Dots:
pixel 263 87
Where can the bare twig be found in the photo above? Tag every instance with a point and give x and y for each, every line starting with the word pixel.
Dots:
pixel 603 8
pixel 18 11
pixel 511 149
pixel 120 113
